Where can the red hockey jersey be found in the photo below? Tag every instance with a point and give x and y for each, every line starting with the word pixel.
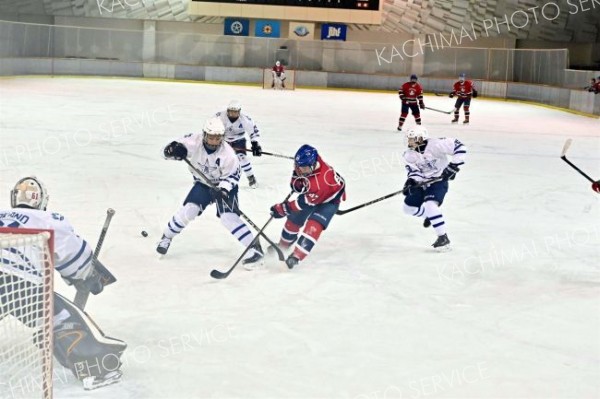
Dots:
pixel 278 69
pixel 463 89
pixel 411 92
pixel 323 185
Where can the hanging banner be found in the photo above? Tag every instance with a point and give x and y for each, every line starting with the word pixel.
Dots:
pixel 267 28
pixel 302 31
pixel 333 32
pixel 237 27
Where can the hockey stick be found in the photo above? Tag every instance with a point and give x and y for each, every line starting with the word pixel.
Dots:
pixel 265 153
pixel 242 214
pixel 221 275
pixel 83 293
pixel 563 156
pixel 343 212
pixel 440 94
pixel 439 110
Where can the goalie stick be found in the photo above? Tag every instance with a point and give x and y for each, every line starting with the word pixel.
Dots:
pixel 343 212
pixel 221 275
pixel 83 293
pixel 242 214
pixel 439 110
pixel 563 156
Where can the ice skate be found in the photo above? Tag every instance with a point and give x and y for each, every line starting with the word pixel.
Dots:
pixel 252 182
pixel 291 261
pixel 255 261
pixel 110 378
pixel 163 245
pixel 442 243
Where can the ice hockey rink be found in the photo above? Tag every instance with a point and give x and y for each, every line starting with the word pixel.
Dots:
pixel 513 311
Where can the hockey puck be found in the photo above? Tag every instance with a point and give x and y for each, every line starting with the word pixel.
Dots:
pixel 144 233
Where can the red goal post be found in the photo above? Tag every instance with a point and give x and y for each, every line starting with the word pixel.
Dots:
pixel 26 312
pixel 289 82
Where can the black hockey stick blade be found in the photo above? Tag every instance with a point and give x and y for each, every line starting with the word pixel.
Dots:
pixel 564 158
pixel 440 111
pixel 221 275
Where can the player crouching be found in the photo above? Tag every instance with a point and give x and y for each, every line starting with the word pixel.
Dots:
pixel 320 191
pixel 79 345
pixel 427 160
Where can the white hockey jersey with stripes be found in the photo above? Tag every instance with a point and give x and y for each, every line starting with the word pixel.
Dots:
pixel 239 128
pixel 222 167
pixel 72 254
pixel 438 153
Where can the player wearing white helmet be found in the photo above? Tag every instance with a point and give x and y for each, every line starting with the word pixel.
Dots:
pixel 237 126
pixel 429 159
pixel 211 155
pixel 78 343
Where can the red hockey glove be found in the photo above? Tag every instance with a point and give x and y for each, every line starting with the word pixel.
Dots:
pixel 280 210
pixel 596 186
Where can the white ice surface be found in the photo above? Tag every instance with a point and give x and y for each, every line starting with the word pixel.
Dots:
pixel 512 312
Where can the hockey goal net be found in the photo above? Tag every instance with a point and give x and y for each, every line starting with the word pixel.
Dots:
pixel 275 83
pixel 26 309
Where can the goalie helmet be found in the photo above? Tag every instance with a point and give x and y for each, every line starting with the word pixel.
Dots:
pixel 214 131
pixel 29 192
pixel 305 160
pixel 233 110
pixel 277 63
pixel 416 138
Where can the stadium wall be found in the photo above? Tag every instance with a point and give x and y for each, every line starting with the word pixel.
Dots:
pixel 575 100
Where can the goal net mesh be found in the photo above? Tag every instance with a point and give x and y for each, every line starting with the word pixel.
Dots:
pixel 26 309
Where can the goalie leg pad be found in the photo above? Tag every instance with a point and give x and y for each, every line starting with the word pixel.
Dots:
pixel 80 346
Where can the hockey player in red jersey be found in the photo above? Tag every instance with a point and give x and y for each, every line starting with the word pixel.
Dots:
pixel 278 72
pixel 320 191
pixel 463 89
pixel 410 94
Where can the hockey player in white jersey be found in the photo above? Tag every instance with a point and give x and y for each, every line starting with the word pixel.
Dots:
pixel 78 343
pixel 427 159
pixel 237 125
pixel 210 154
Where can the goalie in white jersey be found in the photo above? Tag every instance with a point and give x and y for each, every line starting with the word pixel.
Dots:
pixel 210 154
pixel 78 344
pixel 237 126
pixel 427 159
